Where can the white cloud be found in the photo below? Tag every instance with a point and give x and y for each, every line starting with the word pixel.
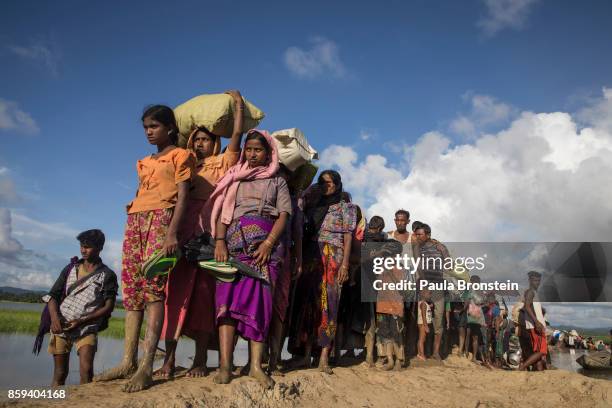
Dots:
pixel 34 230
pixel 585 315
pixel 502 14
pixel 366 135
pixel 321 59
pixel 8 245
pixel 112 254
pixel 21 267
pixel 485 112
pixel 364 178
pixel 539 179
pixel 44 52
pixel 13 118
pixel 598 112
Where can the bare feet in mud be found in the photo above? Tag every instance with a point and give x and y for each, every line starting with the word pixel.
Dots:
pixel 275 370
pixel 370 361
pixel 166 371
pixel 116 373
pixel 140 381
pixel 224 376
pixel 397 366
pixel 197 371
pixel 388 366
pixel 261 377
pixel 325 368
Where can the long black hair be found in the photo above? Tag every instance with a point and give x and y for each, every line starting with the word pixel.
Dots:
pixel 315 215
pixel 164 115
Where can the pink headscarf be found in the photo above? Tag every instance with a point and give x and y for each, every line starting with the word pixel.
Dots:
pixel 223 199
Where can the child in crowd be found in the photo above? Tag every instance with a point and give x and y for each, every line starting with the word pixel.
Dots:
pixel 424 319
pixel 389 303
pixel 80 304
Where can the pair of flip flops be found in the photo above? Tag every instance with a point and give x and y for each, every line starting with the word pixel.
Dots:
pixel 159 264
pixel 227 271
pixel 223 271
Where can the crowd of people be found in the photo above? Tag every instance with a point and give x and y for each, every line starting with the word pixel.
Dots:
pixel 304 245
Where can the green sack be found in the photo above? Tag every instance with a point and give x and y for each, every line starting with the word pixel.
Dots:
pixel 215 112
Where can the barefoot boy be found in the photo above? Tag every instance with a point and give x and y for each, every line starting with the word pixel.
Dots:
pixel 80 303
pixel 389 303
pixel 424 319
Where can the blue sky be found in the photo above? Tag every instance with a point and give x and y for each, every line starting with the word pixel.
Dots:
pixel 374 79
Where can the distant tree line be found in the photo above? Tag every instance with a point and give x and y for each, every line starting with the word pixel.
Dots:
pixel 28 297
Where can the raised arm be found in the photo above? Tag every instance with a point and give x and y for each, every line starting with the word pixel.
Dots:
pixel 234 144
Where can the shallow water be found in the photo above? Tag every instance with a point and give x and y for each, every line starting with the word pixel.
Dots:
pixel 21 368
pixel 566 360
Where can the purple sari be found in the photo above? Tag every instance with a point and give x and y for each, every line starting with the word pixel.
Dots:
pixel 248 300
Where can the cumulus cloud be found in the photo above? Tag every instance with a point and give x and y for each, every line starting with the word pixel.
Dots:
pixel 502 14
pixel 322 59
pixel 542 178
pixel 112 254
pixel 585 315
pixel 363 178
pixel 21 267
pixel 484 113
pixel 46 53
pixel 13 118
pixel 37 231
pixel 8 245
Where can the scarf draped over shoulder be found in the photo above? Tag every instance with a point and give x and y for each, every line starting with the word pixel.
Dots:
pixel 223 200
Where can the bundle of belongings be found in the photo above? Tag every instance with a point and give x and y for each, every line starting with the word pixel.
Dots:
pixel 215 113
pixel 296 155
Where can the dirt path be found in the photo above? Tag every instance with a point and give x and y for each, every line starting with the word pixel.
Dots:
pixel 457 383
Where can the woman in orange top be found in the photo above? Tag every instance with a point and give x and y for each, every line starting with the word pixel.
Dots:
pixel 152 225
pixel 190 301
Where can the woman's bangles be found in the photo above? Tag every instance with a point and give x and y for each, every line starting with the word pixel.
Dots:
pixel 270 240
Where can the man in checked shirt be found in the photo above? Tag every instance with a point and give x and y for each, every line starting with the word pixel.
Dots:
pixel 80 304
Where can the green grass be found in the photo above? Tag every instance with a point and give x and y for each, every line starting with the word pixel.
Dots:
pixel 27 321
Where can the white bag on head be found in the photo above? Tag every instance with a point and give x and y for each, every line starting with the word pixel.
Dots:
pixel 293 148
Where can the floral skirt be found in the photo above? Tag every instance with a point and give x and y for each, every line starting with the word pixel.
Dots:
pixel 145 232
pixel 317 297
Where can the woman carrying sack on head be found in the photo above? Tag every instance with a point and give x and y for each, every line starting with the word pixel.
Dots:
pixel 190 293
pixel 250 208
